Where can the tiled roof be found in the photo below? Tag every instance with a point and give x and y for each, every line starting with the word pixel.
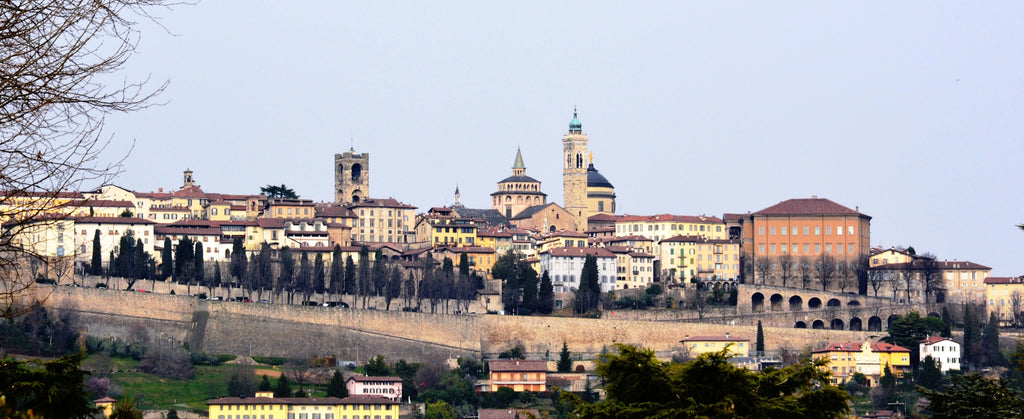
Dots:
pixel 580 252
pixel 931 340
pixel 963 264
pixel 376 202
pixel 531 211
pixel 682 239
pixel 366 399
pixel 807 206
pixel 603 217
pixel 661 218
pixel 112 220
pixel 517 365
pixel 318 401
pixel 1004 280
pixel 362 378
pixel 855 347
pixel 715 339
pixel 267 222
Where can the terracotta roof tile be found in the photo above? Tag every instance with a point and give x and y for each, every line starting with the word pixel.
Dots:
pixel 517 365
pixel 808 206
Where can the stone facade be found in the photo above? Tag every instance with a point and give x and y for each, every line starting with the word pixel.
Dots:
pixel 351 177
pixel 574 172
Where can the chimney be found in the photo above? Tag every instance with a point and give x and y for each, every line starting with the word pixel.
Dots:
pixel 727 335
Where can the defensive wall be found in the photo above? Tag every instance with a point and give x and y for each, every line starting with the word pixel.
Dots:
pixel 356 334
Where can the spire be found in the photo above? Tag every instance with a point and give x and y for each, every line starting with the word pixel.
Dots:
pixel 519 160
pixel 458 196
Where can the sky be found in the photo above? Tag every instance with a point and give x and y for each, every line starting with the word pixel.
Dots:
pixel 909 112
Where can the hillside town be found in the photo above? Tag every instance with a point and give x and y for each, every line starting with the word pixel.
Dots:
pixel 804 263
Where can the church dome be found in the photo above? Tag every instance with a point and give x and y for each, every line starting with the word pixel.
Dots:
pixel 575 125
pixel 595 179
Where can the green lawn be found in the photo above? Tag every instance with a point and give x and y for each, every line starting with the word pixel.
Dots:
pixel 154 392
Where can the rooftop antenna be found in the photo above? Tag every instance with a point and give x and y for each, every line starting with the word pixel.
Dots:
pixel 351 143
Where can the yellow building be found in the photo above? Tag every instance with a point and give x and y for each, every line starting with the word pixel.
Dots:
pixel 634 269
pixel 717 259
pixel 869 358
pixel 383 221
pixel 290 208
pixel 892 255
pixel 437 229
pixel 704 344
pixel 265 406
pixel 518 374
pixel 498 239
pixel 1005 298
pixel 663 226
pixel 561 238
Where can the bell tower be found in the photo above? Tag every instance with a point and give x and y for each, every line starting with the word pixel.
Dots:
pixel 351 177
pixel 574 172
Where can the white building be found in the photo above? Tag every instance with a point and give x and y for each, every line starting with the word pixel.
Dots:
pixel 565 265
pixel 945 350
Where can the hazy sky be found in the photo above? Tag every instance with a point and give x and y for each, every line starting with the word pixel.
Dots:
pixel 910 111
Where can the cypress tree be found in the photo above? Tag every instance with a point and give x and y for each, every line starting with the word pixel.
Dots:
pixel 96 265
pixel 166 260
pixel 759 345
pixel 337 276
pixel 565 359
pixel 199 273
pixel 546 294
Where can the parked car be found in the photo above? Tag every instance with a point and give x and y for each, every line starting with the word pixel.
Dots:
pixel 265 301
pixel 341 304
pixel 310 303
pixel 101 285
pixel 217 298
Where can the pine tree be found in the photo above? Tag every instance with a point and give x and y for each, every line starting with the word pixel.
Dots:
pixel 336 387
pixel 759 344
pixel 96 265
pixel 319 276
pixel 546 294
pixel 564 359
pixel 238 260
pixel 265 384
pixel 283 388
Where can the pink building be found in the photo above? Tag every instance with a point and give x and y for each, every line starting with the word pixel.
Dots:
pixel 387 387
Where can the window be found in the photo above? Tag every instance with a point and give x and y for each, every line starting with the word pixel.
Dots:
pixel 771 230
pixel 851 230
pixel 805 230
pixel 760 230
pixel 828 230
pixel 817 231
pixel 783 231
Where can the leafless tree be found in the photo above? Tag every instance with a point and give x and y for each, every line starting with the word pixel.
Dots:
pixel 895 284
pixel 825 268
pixel 56 62
pixel 763 267
pixel 804 268
pixel 908 275
pixel 931 276
pixel 700 302
pixel 844 275
pixel 63 267
pixel 876 279
pixel 786 268
pixel 1015 305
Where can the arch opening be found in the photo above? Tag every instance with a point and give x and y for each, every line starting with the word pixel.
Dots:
pixel 757 302
pixel 796 304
